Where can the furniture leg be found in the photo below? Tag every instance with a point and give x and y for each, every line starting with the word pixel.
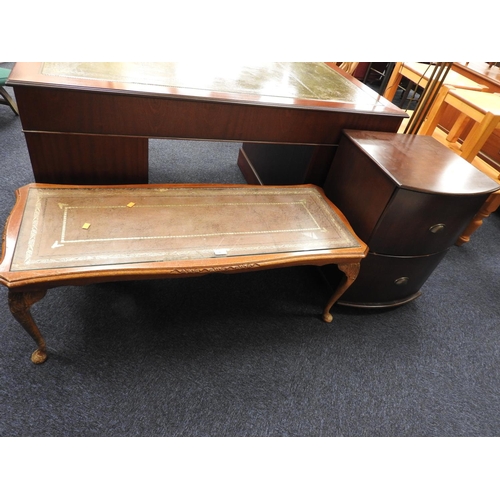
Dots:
pixel 392 85
pixel 19 304
pixel 351 272
pixel 435 113
pixel 9 100
pixel 458 128
pixel 411 86
pixel 479 134
pixel 491 204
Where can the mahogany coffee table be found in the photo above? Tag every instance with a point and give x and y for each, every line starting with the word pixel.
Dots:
pixel 61 235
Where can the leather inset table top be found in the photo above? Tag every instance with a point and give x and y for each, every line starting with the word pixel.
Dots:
pixel 79 227
pixel 287 80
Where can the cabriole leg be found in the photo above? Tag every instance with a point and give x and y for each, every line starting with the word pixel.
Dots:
pixel 351 272
pixel 19 304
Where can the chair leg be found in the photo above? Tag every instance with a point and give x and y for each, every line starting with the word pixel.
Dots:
pixel 392 84
pixel 435 113
pixel 479 134
pixel 490 205
pixel 9 100
pixel 457 129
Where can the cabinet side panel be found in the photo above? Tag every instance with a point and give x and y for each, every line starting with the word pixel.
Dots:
pixel 359 188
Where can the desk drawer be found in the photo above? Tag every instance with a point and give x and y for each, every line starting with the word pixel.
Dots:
pixel 385 280
pixel 418 223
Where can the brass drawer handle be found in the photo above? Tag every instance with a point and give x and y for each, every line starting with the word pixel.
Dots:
pixel 436 228
pixel 402 281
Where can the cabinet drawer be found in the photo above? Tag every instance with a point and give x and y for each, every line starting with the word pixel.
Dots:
pixel 419 223
pixel 386 281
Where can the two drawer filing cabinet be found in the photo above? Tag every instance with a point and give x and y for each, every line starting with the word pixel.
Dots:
pixel 409 198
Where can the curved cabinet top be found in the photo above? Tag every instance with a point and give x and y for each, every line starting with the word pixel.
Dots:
pixel 421 163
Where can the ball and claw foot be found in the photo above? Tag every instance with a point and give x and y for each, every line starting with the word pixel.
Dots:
pixel 38 357
pixel 327 317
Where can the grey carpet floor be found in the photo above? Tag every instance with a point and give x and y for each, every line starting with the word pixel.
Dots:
pixel 247 354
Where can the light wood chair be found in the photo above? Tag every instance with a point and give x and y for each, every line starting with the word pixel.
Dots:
pixel 421 73
pixel 483 109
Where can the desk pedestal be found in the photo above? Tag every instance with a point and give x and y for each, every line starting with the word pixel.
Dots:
pixel 87 159
pixel 409 197
pixel 282 164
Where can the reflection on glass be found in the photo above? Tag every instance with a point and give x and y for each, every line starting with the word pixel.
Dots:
pixel 88 227
pixel 290 80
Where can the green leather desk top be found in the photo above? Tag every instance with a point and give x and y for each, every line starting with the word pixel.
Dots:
pixel 288 80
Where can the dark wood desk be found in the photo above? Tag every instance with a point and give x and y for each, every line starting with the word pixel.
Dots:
pixel 89 123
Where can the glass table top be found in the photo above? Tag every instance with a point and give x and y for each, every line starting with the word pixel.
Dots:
pixel 66 227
